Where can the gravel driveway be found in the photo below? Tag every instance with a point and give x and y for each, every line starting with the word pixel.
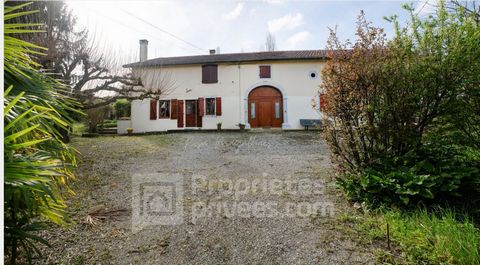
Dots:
pixel 232 211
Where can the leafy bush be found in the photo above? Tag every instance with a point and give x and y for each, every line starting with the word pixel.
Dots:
pixel 96 116
pixel 430 174
pixel 78 129
pixel 122 108
pixel 401 113
pixel 37 163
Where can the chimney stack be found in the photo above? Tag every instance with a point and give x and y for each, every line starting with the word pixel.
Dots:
pixel 143 50
pixel 212 51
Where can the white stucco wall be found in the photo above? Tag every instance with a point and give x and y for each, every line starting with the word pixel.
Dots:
pixel 122 126
pixel 235 81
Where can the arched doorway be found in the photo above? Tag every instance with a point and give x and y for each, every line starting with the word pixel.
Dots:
pixel 265 107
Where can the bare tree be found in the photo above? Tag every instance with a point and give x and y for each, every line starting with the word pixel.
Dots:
pixel 96 76
pixel 270 44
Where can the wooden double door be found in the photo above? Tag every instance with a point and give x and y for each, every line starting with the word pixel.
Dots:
pixel 265 107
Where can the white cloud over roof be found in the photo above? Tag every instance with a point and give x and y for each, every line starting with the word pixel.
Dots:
pixel 297 38
pixel 289 21
pixel 235 13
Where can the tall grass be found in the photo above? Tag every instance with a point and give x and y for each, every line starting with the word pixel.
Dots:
pixel 442 237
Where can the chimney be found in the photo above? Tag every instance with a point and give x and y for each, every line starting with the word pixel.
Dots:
pixel 143 50
pixel 212 51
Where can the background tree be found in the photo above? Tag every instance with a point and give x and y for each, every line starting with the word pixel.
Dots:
pixel 270 43
pixel 95 76
pixel 96 116
pixel 470 7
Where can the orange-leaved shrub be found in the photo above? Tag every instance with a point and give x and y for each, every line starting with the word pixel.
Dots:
pixel 391 118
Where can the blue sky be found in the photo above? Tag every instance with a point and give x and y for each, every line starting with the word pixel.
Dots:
pixel 194 27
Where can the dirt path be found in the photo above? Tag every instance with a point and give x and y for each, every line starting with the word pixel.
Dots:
pixel 230 216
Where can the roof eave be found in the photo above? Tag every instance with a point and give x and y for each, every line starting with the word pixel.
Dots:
pixel 146 65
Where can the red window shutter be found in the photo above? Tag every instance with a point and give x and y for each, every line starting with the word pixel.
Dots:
pixel 265 71
pixel 205 74
pixel 214 74
pixel 209 74
pixel 201 107
pixel 180 114
pixel 174 108
pixel 153 109
pixel 323 102
pixel 218 105
pixel 199 114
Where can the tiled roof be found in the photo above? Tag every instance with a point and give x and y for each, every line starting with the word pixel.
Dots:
pixel 233 58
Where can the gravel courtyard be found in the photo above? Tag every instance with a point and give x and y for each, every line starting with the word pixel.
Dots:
pixel 101 230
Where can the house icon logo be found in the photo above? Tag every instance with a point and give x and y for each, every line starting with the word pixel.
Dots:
pixel 156 200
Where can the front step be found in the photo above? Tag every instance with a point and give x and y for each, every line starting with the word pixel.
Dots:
pixel 108 131
pixel 266 130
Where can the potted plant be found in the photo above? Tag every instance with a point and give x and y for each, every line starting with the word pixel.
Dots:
pixel 130 131
pixel 241 126
pixel 219 126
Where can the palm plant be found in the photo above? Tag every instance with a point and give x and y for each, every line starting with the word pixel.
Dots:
pixel 37 163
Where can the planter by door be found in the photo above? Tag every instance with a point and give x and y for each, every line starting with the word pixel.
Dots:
pixel 265 107
pixel 190 113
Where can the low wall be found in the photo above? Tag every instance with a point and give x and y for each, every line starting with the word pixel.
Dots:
pixel 122 126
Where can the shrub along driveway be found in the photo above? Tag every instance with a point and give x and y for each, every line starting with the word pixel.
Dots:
pixel 218 233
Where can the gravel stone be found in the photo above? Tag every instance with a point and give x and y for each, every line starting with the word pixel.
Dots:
pixel 104 183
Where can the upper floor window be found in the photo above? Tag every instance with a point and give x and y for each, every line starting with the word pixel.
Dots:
pixel 209 73
pixel 265 71
pixel 164 109
pixel 210 106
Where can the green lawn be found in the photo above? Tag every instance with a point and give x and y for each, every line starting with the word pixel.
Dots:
pixel 441 237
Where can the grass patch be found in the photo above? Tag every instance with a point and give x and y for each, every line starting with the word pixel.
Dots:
pixel 439 237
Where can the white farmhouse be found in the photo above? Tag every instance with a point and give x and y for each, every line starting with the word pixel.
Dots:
pixel 260 89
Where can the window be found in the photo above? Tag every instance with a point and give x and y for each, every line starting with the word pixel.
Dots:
pixel 265 71
pixel 209 73
pixel 164 109
pixel 210 106
pixel 252 110
pixel 277 110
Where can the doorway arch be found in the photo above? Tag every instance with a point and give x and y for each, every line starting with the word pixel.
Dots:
pixel 265 107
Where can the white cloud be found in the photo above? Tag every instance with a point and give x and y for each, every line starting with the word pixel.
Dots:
pixel 275 2
pixel 247 45
pixel 297 38
pixel 235 13
pixel 289 21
